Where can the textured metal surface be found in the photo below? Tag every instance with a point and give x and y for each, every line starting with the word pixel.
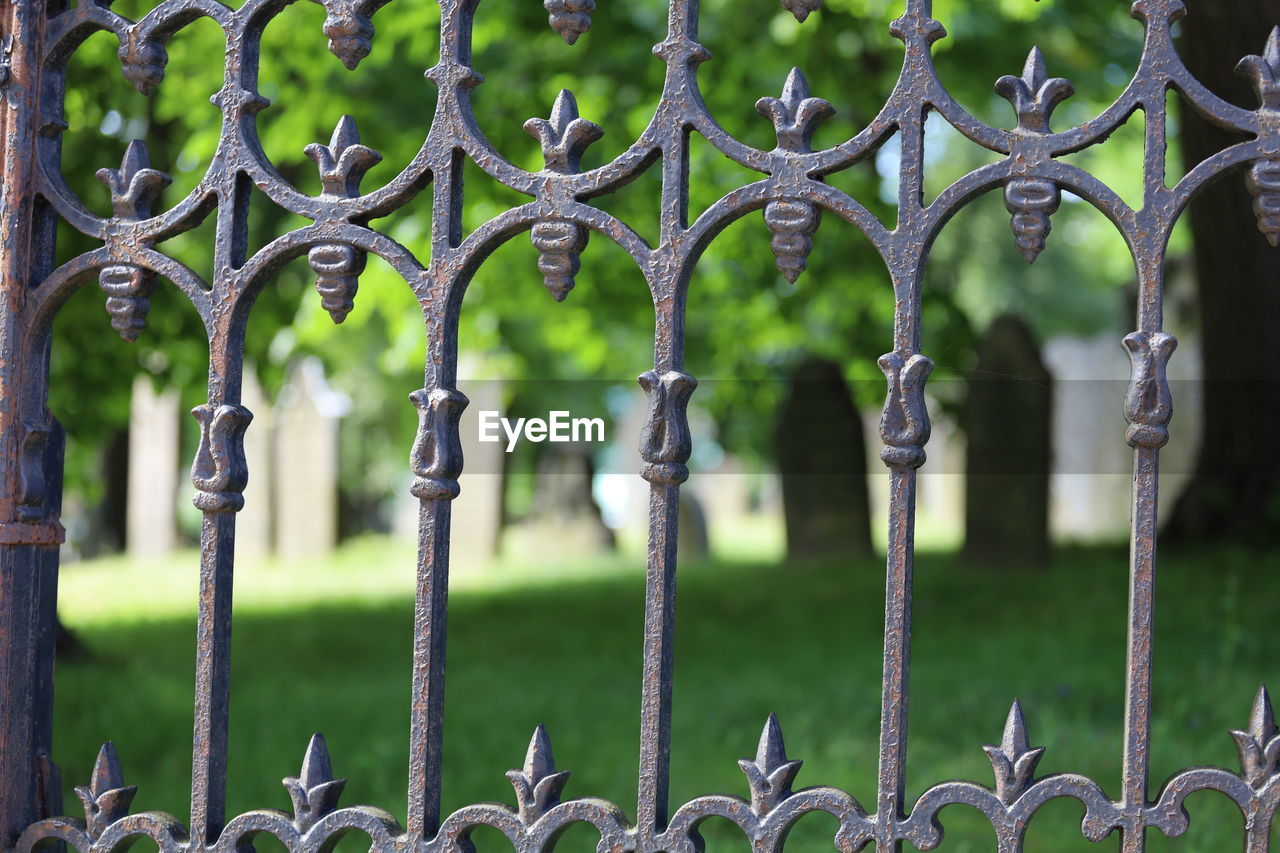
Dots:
pixel 791 196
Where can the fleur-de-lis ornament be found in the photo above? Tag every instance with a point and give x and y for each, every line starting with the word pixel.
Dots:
pixel 314 791
pixel 560 242
pixel 134 187
pixel 1260 746
pixel 771 773
pixel 1263 178
pixel 342 164
pixel 793 222
pixel 1031 201
pixel 106 798
pixel 538 784
pixel 569 18
pixel 1014 760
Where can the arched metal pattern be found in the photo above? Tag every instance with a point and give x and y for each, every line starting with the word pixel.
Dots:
pixel 40 37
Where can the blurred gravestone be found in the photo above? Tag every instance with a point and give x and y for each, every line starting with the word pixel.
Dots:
pixel 693 542
pixel 306 484
pixel 1008 424
pixel 151 510
pixel 477 511
pixel 253 525
pixel 565 519
pixel 821 457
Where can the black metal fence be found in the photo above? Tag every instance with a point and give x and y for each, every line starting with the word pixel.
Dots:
pixel 39 36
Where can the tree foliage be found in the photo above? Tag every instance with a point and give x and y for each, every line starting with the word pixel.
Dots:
pixel 745 321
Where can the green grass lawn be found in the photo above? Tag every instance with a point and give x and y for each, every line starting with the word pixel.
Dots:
pixel 325 647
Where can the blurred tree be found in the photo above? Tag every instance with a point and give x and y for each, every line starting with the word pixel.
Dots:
pixel 1236 489
pixel 745 321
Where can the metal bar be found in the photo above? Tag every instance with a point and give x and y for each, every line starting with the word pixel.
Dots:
pixel 213 678
pixel 659 660
pixel 29 527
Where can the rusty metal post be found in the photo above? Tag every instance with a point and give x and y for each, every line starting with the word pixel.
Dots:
pixel 30 448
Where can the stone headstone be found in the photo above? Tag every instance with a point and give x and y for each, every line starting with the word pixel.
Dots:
pixel 254 523
pixel 821 457
pixel 1008 423
pixel 152 511
pixel 565 519
pixel 477 511
pixel 305 492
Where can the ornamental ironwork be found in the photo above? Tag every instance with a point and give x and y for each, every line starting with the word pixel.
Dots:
pixel 791 194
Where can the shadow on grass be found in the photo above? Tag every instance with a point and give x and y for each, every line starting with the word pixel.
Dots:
pixel 804 641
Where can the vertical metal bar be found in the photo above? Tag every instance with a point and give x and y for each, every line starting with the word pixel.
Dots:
pixel 891 784
pixel 437 455
pixel 659 659
pixel 213 677
pixel 222 454
pixel 28 550
pixel 1137 713
pixel 426 742
pixel 666 445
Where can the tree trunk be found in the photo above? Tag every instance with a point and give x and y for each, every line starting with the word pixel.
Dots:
pixel 1236 488
pixel 821 454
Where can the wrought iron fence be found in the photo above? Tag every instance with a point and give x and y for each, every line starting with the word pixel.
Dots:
pixel 38 39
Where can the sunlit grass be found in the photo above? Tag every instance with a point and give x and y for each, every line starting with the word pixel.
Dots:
pixel 326 646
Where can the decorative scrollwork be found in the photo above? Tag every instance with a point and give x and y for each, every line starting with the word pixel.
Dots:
pixel 1260 746
pixel 437 449
pixel 1148 406
pixel 771 774
pixel 560 242
pixel 793 222
pixel 220 471
pixel 538 784
pixel 1029 170
pixel 665 443
pixel 342 164
pixel 106 798
pixel 314 791
pixel 904 423
pixel 1014 760
pixel 134 187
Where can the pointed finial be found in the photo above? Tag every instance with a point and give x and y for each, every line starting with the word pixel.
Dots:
pixel 314 791
pixel 566 136
pixel 1014 761
pixel 106 799
pixel 1035 94
pixel 1264 72
pixel 135 186
pixel 770 775
pixel 539 784
pixel 1260 746
pixel 344 161
pixel 795 115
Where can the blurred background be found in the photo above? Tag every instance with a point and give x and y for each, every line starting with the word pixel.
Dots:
pixel 1023 505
